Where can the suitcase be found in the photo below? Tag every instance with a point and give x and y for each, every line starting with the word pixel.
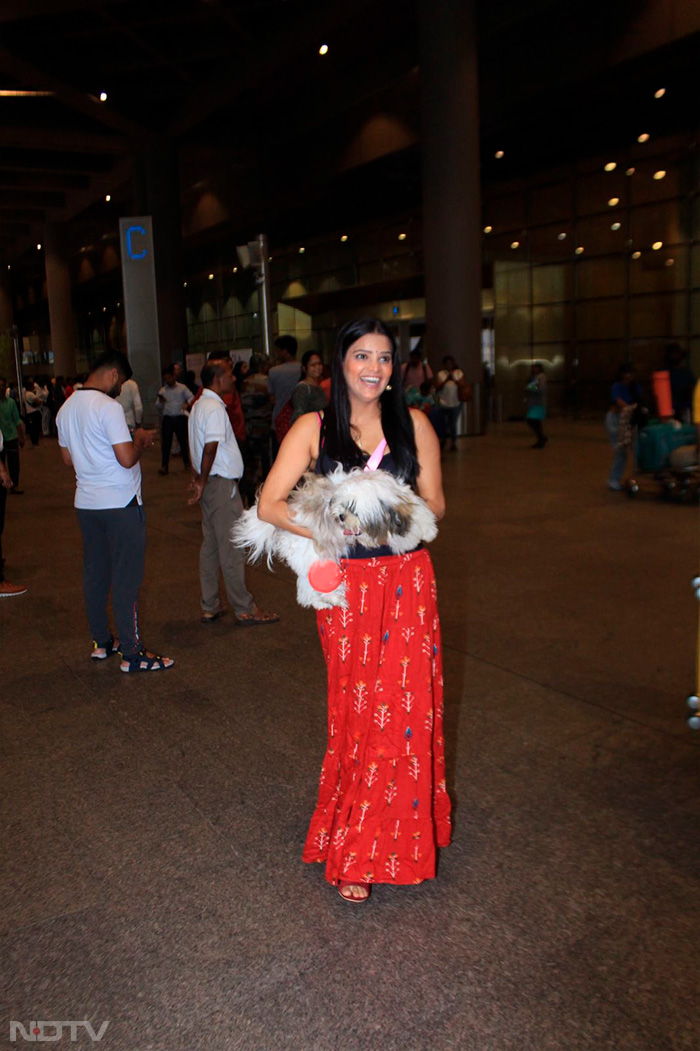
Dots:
pixel 657 441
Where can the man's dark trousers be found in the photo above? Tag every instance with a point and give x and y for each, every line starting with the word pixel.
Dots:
pixel 10 457
pixel 174 425
pixel 114 545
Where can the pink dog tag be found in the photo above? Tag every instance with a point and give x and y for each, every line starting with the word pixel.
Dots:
pixel 325 576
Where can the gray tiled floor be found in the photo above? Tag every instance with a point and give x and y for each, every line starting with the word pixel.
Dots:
pixel 152 826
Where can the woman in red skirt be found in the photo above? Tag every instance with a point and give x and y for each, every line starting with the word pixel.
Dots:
pixel 383 808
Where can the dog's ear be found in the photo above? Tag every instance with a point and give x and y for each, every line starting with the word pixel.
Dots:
pixel 399 518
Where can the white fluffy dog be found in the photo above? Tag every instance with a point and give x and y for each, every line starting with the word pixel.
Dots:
pixel 370 508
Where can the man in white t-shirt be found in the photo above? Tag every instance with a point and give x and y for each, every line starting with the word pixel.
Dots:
pixel 173 398
pixel 96 443
pixel 130 401
pixel 218 467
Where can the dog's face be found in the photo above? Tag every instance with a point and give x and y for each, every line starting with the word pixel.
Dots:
pixel 372 520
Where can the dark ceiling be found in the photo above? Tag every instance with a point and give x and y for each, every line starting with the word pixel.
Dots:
pixel 242 90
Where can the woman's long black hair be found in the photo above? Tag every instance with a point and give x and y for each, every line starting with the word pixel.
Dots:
pixel 337 440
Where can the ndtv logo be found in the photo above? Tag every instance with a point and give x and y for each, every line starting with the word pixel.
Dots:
pixel 37 1032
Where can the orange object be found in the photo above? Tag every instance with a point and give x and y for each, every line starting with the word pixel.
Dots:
pixel 662 393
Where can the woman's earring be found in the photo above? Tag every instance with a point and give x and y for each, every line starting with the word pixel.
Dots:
pixel 388 387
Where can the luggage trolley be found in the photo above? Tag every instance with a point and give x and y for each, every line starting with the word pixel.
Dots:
pixel 653 446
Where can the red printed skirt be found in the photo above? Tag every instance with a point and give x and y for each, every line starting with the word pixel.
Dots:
pixel 383 807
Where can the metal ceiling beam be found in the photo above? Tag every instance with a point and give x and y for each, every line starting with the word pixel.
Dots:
pixel 32 76
pixel 63 141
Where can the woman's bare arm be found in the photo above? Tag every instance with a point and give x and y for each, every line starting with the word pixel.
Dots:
pixel 297 452
pixel 429 482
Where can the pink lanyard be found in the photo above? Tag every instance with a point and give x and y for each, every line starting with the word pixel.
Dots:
pixel 376 457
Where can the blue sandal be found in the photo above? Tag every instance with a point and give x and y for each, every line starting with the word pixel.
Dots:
pixel 101 653
pixel 145 661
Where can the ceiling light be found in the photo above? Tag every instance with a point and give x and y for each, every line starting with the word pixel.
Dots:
pixel 515 244
pixel 235 269
pixel 659 175
pixel 402 237
pixel 636 255
pixel 38 248
pixel 211 277
pixel 343 237
pixel 669 262
pixel 9 267
pixel 108 197
pixel 323 50
pixel 630 171
pixel 657 245
pixel 579 250
pixel 643 137
pixel 104 310
pixel 613 201
pixel 615 226
pixel 660 93
pixel 184 284
pixel 103 96
pixel 302 250
pixel 488 229
pixel 561 237
pixel 498 154
pixel 611 166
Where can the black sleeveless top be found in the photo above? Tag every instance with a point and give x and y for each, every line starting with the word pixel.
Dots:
pixel 326 465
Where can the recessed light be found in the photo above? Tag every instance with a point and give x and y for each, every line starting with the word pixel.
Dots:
pixel 235 269
pixel 104 310
pixel 499 154
pixel 211 277
pixel 636 255
pixel 9 267
pixel 643 137
pixel 38 248
pixel 611 166
pixel 323 50
pixel 613 201
pixel 630 171
pixel 579 250
pixel 302 250
pixel 659 175
pixel 615 226
pixel 515 244
pixel 488 229
pixel 561 237
pixel 343 237
pixel 103 96
pixel 184 284
pixel 660 93
pixel 108 197
pixel 402 237
pixel 657 245
pixel 669 262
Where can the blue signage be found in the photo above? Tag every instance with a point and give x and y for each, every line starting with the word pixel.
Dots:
pixel 131 231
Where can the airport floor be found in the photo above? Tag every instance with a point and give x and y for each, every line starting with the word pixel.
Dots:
pixel 153 824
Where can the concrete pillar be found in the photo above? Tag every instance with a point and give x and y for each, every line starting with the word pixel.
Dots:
pixel 58 289
pixel 157 186
pixel 451 191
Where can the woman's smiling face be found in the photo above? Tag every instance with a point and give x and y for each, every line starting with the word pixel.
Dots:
pixel 368 367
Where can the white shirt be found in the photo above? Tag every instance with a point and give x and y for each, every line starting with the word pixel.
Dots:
pixel 209 422
pixel 89 423
pixel 130 401
pixel 176 397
